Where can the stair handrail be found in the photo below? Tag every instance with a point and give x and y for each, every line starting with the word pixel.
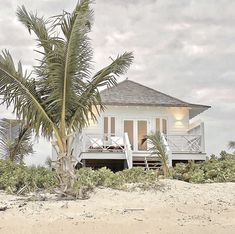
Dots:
pixel 168 149
pixel 80 139
pixel 128 151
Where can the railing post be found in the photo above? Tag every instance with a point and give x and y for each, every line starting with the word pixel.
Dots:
pixel 128 151
pixel 202 137
pixel 84 138
pixel 168 150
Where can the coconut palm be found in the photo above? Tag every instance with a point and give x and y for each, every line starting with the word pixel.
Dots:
pixel 48 162
pixel 158 149
pixel 61 94
pixel 15 140
pixel 231 145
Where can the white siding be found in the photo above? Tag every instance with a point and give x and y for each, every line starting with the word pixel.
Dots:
pixel 177 118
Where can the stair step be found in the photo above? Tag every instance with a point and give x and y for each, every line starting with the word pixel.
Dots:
pixel 155 164
pixel 147 163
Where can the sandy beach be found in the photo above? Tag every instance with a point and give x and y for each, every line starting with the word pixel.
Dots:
pixel 177 207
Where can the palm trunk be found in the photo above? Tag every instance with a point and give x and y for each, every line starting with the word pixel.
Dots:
pixel 66 166
pixel 66 172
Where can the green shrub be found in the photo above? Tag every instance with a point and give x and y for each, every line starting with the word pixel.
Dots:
pixel 90 179
pixel 213 170
pixel 14 177
pixel 197 176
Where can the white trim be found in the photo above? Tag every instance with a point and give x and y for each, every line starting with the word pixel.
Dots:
pixel 188 156
pixel 101 155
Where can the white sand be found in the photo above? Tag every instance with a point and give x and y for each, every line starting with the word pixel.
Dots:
pixel 180 208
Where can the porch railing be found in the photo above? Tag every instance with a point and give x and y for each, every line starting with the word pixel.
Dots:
pixel 185 143
pixel 197 128
pixel 102 143
pixel 105 144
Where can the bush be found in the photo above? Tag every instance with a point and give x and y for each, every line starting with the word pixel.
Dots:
pixel 88 178
pixel 213 170
pixel 14 177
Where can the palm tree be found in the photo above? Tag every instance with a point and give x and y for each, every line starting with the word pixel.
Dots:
pixel 158 149
pixel 62 94
pixel 48 162
pixel 15 140
pixel 231 145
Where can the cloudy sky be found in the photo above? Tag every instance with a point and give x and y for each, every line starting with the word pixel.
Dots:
pixel 185 48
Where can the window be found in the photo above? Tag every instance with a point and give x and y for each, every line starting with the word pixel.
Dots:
pixel 129 129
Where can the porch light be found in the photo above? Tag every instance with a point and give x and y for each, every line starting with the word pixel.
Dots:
pixel 179 113
pixel 178 123
pixel 179 116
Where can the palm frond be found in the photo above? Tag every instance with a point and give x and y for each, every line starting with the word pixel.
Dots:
pixel 66 68
pixel 18 90
pixel 89 103
pixel 78 54
pixel 23 145
pixel 8 130
pixel 36 24
pixel 157 145
pixel 158 149
pixel 15 140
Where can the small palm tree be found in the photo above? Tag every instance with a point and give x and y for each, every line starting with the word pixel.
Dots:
pixel 231 145
pixel 62 94
pixel 48 162
pixel 15 140
pixel 158 149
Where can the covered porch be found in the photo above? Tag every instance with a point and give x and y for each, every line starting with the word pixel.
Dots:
pixel 190 146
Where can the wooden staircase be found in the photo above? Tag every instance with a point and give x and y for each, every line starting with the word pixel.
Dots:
pixel 149 163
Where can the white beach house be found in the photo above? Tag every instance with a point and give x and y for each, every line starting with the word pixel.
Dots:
pixel 133 111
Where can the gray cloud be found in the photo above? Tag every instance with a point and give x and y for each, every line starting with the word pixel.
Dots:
pixel 184 48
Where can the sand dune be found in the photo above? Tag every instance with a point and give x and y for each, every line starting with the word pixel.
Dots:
pixel 178 207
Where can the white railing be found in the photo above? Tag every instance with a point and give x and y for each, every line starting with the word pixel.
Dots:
pixel 168 150
pixel 105 144
pixel 78 146
pixel 185 143
pixel 128 150
pixel 197 128
pixel 102 143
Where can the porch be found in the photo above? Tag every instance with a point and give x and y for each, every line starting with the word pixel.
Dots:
pixel 178 147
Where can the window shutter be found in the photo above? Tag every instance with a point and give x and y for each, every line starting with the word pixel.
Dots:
pixel 158 125
pixel 164 126
pixel 112 126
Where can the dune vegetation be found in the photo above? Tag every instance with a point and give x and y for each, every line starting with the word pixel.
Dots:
pixel 20 179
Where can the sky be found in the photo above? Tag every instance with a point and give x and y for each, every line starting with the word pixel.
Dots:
pixel 185 48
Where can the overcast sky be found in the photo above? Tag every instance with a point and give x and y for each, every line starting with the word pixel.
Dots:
pixel 185 48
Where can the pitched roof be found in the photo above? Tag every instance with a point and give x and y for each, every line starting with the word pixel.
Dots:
pixel 130 93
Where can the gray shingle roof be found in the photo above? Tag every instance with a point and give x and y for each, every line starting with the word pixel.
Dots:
pixel 130 93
